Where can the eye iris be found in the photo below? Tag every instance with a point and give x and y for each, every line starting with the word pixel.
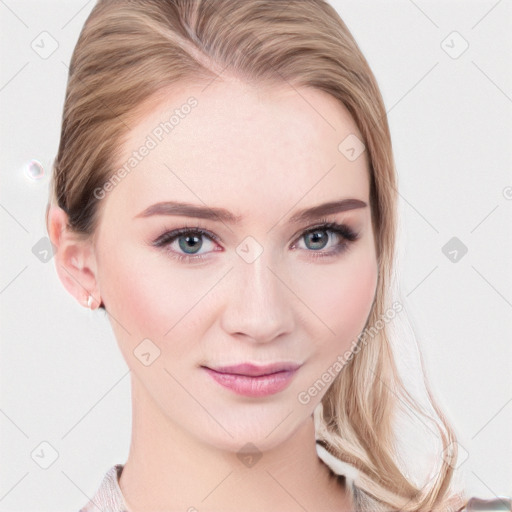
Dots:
pixel 189 240
pixel 322 239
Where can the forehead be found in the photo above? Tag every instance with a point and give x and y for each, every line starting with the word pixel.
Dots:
pixel 231 143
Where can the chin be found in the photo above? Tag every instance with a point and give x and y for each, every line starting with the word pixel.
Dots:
pixel 263 429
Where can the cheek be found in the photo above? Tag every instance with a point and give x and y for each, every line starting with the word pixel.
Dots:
pixel 342 298
pixel 149 296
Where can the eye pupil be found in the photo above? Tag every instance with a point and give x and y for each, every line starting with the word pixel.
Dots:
pixel 188 244
pixel 318 238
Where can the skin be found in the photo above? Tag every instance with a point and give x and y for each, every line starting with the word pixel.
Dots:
pixel 262 153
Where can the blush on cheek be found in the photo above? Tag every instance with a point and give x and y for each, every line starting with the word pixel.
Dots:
pixel 344 305
pixel 153 298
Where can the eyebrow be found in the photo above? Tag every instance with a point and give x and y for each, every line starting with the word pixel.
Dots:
pixel 225 216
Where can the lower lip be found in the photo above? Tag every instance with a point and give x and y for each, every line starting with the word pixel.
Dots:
pixel 262 385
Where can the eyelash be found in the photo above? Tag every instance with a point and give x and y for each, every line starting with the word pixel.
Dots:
pixel 346 233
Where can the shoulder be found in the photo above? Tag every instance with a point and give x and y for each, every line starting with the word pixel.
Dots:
pixel 364 502
pixel 108 495
pixel 500 503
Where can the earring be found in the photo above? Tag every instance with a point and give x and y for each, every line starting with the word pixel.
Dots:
pixel 89 301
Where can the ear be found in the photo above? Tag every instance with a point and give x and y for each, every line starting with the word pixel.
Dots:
pixel 75 259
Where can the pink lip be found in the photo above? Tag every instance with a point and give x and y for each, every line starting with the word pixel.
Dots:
pixel 255 381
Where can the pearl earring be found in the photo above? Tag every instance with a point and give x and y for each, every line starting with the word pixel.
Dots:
pixel 89 301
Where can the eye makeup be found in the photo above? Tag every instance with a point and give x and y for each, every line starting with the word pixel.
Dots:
pixel 343 232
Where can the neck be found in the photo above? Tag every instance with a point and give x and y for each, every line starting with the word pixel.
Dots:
pixel 168 469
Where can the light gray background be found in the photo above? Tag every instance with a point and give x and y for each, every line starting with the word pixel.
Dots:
pixel 63 379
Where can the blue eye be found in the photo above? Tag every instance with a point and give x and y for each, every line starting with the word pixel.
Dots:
pixel 190 241
pixel 341 231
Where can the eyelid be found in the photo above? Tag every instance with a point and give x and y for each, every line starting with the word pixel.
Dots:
pixel 320 223
pixel 185 229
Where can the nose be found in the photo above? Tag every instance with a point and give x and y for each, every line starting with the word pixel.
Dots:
pixel 259 303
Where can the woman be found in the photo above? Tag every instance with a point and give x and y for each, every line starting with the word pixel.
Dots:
pixel 225 190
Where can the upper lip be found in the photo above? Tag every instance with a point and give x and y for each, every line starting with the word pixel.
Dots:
pixel 254 370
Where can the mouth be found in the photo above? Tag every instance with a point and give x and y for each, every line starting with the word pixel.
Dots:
pixel 253 370
pixel 253 380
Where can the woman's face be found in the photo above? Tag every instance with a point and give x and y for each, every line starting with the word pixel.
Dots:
pixel 258 290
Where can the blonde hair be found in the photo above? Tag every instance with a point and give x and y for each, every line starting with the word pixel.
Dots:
pixel 130 51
